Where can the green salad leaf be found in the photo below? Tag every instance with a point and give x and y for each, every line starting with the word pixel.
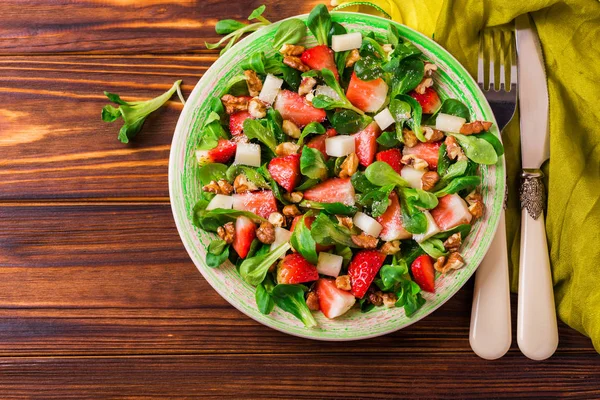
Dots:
pixel 328 103
pixel 253 129
pixel 458 184
pixel 327 232
pixel 312 164
pixel 211 220
pixel 433 247
pixel 264 298
pixel 348 121
pixel 476 149
pixel 290 31
pixel 218 252
pixel 290 298
pixel 303 242
pixel 414 122
pixel 331 208
pixel 378 200
pixel 381 173
pixel 407 76
pixel 310 129
pixel 212 172
pixel 319 23
pixel 253 175
pixel 254 269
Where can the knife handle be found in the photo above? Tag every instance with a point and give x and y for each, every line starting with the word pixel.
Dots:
pixel 490 334
pixel 537 330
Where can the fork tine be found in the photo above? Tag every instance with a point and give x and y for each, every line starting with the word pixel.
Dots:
pixel 502 61
pixel 480 67
pixel 514 77
pixel 492 58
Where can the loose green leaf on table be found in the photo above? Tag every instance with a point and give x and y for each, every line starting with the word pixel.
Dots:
pixel 290 298
pixel 234 30
pixel 254 269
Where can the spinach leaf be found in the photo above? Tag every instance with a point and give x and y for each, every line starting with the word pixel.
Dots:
pixel 319 23
pixel 378 200
pixel 411 250
pixel 361 183
pixel 478 150
pixel 413 219
pixel 388 139
pixel 312 164
pixel 494 141
pixel 452 107
pixel 392 36
pixel 264 300
pixel 251 174
pixel 274 185
pixel 326 102
pixel 327 232
pixel 290 31
pixel 307 184
pixel 225 26
pixel 365 305
pixel 459 184
pixel 210 135
pixel 257 12
pixel 392 274
pixel 371 48
pixel 312 128
pixel 211 220
pixel 237 86
pixel 292 77
pixel 404 50
pixel 454 171
pixel 434 247
pixel 409 297
pixel 419 198
pixel 254 269
pixel 345 252
pixel 290 298
pixel 407 76
pixel 348 121
pixel 401 111
pixel 263 65
pixel 382 174
pixel 303 242
pixel 368 68
pixel 463 229
pixel 331 208
pixel 443 161
pixel 234 30
pixel 275 124
pixel 414 122
pixel 211 172
pixel 255 130
pixel 218 252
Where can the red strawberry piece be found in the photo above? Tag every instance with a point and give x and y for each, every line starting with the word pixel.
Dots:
pixel 318 142
pixel 391 220
pixel 295 108
pixel 286 171
pixel 224 151
pixel 429 101
pixel 393 157
pixel 333 302
pixel 261 203
pixel 369 96
pixel 423 273
pixel 308 221
pixel 320 57
pixel 332 191
pixel 366 144
pixel 245 232
pixel 362 270
pixel 236 122
pixel 295 269
pixel 450 212
pixel 425 151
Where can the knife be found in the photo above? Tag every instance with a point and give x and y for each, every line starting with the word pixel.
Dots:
pixel 537 331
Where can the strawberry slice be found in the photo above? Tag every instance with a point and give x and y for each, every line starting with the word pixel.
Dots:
pixel 450 212
pixel 308 221
pixel 295 108
pixel 423 273
pixel 333 302
pixel 332 191
pixel 236 122
pixel 245 232
pixel 261 203
pixel 425 151
pixel 366 144
pixel 224 151
pixel 320 57
pixel 286 171
pixel 369 96
pixel 429 101
pixel 318 142
pixel 393 157
pixel 362 270
pixel 295 269
pixel 391 220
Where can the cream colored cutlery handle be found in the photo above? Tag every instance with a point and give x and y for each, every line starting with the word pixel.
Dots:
pixel 490 334
pixel 537 331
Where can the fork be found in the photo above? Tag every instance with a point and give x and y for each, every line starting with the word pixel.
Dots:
pixel 490 333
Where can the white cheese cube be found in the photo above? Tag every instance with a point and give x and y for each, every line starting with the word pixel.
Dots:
pixel 326 91
pixel 368 225
pixel 270 89
pixel 412 176
pixel 384 118
pixel 449 123
pixel 347 41
pixel 432 229
pixel 281 236
pixel 220 201
pixel 339 146
pixel 247 154
pixel 329 264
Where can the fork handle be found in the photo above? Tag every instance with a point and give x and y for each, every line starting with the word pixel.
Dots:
pixel 490 333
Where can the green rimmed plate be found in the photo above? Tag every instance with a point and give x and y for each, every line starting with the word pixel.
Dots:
pixel 451 80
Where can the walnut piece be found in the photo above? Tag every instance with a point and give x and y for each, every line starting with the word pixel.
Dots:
pixel 290 210
pixel 409 137
pixel 212 187
pixel 376 299
pixel 343 282
pixel 296 63
pixel 389 299
pixel 233 104
pixel 306 85
pixel 432 135
pixel 429 179
pixel 266 233
pixel 349 166
pixel 352 58
pixel 225 187
pixel 291 50
pixel 241 184
pixel 286 148
pixel 227 232
pixel 291 129
pixel 475 201
pixel 365 241
pixel 294 197
pixel 257 108
pixel 453 150
pixel 345 221
pixel 254 83
pixel 425 83
pixel 415 162
pixel 276 219
pixel 438 265
pixel 390 248
pixel 454 261
pixel 430 69
pixel 475 127
pixel 452 244
pixel 312 301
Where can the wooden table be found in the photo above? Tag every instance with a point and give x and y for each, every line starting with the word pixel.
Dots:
pixel 98 296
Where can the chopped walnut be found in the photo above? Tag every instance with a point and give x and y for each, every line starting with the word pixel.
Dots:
pixel 286 148
pixel 306 85
pixel 291 129
pixel 241 184
pixel 432 135
pixel 233 104
pixel 291 211
pixel 212 187
pixel 390 248
pixel 257 108
pixel 312 301
pixel 343 282
pixel 475 201
pixel 430 69
pixel 415 162
pixel 439 263
pixel 429 179
pixel 365 241
pixel 266 233
pixel 349 166
pixel 376 299
pixel 454 261
pixel 352 58
pixel 425 83
pixel 389 299
pixel 294 197
pixel 254 83
pixel 452 244
pixel 296 63
pixel 453 150
pixel 409 137
pixel 475 127
pixel 276 219
pixel 227 232
pixel 291 50
pixel 345 221
pixel 225 187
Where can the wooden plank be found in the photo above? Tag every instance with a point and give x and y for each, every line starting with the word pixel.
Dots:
pixel 120 27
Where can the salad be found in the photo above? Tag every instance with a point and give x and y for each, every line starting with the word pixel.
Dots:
pixel 333 174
